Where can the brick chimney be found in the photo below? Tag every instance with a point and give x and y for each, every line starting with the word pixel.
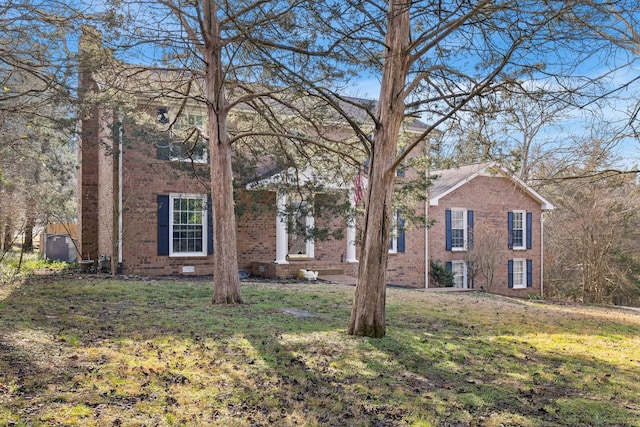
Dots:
pixel 88 144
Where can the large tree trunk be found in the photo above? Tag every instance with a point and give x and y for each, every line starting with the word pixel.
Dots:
pixel 368 311
pixel 225 253
pixel 27 245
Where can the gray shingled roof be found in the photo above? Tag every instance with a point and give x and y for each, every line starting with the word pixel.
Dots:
pixel 449 178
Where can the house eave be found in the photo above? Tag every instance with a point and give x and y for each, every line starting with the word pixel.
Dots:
pixel 297 177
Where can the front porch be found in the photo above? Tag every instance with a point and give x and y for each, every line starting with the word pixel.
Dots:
pixel 272 270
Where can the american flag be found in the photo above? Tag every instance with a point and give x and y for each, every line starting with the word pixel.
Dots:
pixel 359 186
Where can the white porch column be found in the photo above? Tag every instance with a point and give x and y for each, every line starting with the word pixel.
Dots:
pixel 351 231
pixel 281 229
pixel 311 223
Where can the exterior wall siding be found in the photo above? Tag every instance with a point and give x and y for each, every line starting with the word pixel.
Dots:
pixel 145 177
pixel 407 268
pixel 256 228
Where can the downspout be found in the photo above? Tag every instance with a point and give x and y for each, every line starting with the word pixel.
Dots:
pixel 120 144
pixel 426 230
pixel 426 243
pixel 542 255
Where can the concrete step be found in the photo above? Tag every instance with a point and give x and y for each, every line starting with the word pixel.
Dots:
pixel 330 271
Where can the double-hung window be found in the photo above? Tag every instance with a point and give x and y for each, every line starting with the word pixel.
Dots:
pixel 187 142
pixel 520 273
pixel 459 270
pixel 397 233
pixel 458 228
pixel 518 230
pixel 187 225
pixel 458 224
pixel 520 223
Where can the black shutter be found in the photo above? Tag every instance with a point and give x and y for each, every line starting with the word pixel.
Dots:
pixel 510 272
pixel 469 229
pixel 400 229
pixel 163 152
pixel 510 228
pixel 529 229
pixel 163 224
pixel 209 226
pixel 447 224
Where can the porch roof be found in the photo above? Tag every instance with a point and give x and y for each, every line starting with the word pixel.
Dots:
pixel 306 176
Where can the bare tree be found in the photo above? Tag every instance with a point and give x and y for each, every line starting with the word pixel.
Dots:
pixel 37 116
pixel 229 56
pixel 486 252
pixel 434 60
pixel 591 251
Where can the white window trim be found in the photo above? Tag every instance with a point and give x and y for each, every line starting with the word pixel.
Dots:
pixel 393 245
pixel 464 273
pixel 205 152
pixel 524 230
pixel 205 228
pixel 523 275
pixel 309 222
pixel 464 230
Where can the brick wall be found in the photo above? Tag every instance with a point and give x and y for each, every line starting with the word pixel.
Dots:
pixel 145 177
pixel 107 187
pixel 256 228
pixel 408 268
pixel 491 198
pixel 257 231
pixel 87 181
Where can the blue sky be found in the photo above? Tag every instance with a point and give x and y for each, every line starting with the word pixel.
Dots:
pixel 577 122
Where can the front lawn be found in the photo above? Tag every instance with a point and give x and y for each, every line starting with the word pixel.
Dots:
pixel 97 351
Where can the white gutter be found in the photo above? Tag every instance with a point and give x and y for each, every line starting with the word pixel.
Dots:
pixel 120 144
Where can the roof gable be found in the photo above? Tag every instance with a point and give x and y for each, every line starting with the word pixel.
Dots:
pixel 449 180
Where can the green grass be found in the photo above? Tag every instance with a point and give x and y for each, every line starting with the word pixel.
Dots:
pixel 14 269
pixel 107 352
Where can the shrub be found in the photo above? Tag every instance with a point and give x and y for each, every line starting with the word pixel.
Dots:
pixel 440 275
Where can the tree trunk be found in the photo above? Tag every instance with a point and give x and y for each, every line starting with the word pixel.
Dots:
pixel 225 254
pixel 27 245
pixel 8 235
pixel 368 311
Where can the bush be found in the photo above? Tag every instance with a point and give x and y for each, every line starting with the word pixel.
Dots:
pixel 440 275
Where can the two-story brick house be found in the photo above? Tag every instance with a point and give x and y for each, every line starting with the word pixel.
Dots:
pixel 137 205
pixel 483 214
pixel 143 204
